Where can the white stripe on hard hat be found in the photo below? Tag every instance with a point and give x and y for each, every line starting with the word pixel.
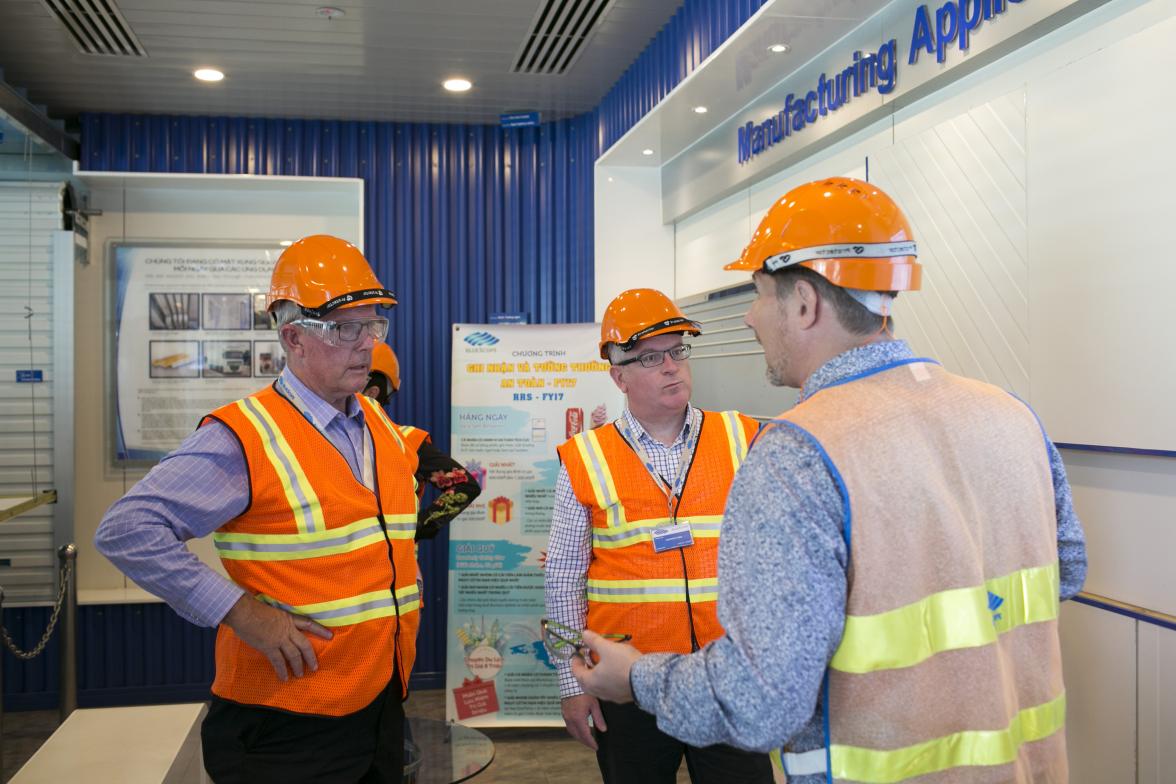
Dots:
pixel 875 250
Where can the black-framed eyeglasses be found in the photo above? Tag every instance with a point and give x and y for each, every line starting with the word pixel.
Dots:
pixel 564 642
pixel 654 358
pixel 340 332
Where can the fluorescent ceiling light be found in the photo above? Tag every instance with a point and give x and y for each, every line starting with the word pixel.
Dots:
pixel 457 85
pixel 208 74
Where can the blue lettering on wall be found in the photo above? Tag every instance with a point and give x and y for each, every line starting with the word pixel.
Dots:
pixel 876 71
pixel 954 22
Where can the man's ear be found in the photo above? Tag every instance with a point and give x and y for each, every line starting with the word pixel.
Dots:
pixel 291 339
pixel 617 374
pixel 805 303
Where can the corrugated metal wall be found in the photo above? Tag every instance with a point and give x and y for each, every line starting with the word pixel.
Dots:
pixel 128 654
pixel 696 30
pixel 460 221
pixel 29 212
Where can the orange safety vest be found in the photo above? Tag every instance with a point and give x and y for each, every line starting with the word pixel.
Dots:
pixel 667 601
pixel 414 436
pixel 315 541
pixel 949 667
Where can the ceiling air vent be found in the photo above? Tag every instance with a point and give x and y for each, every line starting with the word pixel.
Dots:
pixel 97 27
pixel 561 30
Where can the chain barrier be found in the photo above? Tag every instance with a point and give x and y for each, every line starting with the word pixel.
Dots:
pixel 66 574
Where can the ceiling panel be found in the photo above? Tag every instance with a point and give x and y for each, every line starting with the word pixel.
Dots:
pixel 383 60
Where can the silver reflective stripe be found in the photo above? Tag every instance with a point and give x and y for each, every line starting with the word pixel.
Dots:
pixel 292 547
pixel 602 475
pixel 601 588
pixel 647 528
pixel 807 763
pixel 307 514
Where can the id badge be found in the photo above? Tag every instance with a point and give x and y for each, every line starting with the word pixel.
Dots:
pixel 671 537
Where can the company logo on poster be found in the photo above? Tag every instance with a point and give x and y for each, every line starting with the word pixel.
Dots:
pixel 481 339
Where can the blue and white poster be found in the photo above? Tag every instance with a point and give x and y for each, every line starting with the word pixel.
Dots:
pixel 519 391
pixel 191 333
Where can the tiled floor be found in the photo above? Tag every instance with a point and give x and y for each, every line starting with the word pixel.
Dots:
pixel 521 756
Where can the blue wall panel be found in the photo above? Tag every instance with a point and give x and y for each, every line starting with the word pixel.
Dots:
pixel 460 221
pixel 697 29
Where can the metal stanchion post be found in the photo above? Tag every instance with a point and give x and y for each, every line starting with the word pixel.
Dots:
pixel 1 690
pixel 67 555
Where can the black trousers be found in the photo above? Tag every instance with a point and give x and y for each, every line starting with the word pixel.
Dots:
pixel 635 751
pixel 248 744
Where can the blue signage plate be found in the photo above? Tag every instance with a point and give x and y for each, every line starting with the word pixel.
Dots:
pixel 518 119
pixel 29 376
pixel 510 318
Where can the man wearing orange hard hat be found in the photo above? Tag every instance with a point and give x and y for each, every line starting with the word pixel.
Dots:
pixel 307 490
pixel 634 538
pixel 896 544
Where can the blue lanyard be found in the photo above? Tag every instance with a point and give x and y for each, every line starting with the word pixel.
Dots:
pixel 673 493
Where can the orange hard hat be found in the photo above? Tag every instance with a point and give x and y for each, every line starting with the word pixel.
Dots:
pixel 641 313
pixel 384 361
pixel 321 273
pixel 846 230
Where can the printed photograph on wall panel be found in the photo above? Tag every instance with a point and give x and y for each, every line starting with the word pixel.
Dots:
pixel 519 391
pixel 188 338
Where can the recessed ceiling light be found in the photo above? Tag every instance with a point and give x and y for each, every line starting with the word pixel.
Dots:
pixel 778 48
pixel 647 151
pixel 457 85
pixel 700 110
pixel 208 74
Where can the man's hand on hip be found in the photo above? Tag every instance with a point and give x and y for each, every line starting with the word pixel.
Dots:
pixel 608 677
pixel 279 635
pixel 576 710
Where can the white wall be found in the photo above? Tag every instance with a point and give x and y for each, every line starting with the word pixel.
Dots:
pixel 161 207
pixel 633 248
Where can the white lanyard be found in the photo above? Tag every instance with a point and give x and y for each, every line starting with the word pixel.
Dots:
pixel 368 459
pixel 673 493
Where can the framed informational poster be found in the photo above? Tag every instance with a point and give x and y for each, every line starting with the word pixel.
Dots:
pixel 190 333
pixel 519 391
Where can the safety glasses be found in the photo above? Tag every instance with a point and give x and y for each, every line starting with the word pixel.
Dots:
pixel 564 642
pixel 654 358
pixel 339 333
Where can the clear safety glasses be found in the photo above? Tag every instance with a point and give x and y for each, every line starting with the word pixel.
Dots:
pixel 654 358
pixel 564 642
pixel 341 333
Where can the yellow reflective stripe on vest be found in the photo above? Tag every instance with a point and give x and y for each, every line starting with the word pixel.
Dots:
pixel 308 513
pixel 947 621
pixel 292 547
pixel 603 487
pixel 355 609
pixel 967 748
pixel 736 438
pixel 701 527
pixel 379 412
pixel 705 589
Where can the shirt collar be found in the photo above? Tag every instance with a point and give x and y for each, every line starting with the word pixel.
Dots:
pixel 692 416
pixel 317 411
pixel 853 363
